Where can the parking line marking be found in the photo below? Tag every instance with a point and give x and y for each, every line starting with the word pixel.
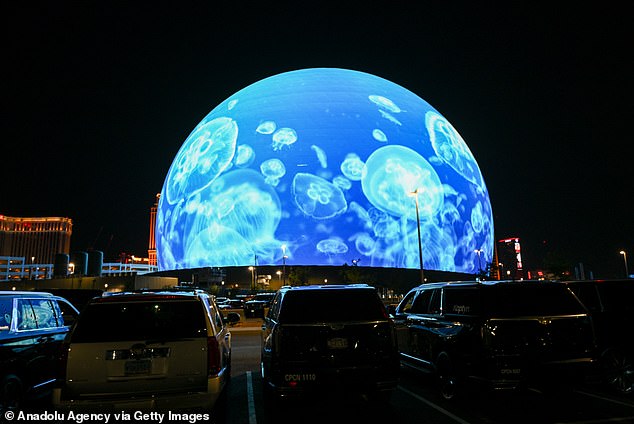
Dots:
pixel 607 399
pixel 250 401
pixel 433 405
pixel 602 421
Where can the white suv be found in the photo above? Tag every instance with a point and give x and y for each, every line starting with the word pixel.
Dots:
pixel 165 350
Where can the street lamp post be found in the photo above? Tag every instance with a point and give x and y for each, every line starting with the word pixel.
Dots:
pixel 284 264
pixel 420 245
pixel 252 269
pixel 627 272
pixel 478 251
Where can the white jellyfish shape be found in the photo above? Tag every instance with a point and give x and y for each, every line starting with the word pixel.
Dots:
pixel 477 218
pixel 451 148
pixel 321 156
pixel 332 246
pixel 352 167
pixel 342 182
pixel 273 170
pixel 219 245
pixel 389 117
pixel 207 152
pixel 316 197
pixel 364 243
pixel 244 155
pixel 391 175
pixel 283 137
pixel 379 135
pixel 385 103
pixel 266 127
pixel 241 200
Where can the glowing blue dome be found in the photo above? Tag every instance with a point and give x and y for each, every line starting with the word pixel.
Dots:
pixel 319 165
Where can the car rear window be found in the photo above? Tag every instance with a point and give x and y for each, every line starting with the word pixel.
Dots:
pixel 315 306
pixel 529 300
pixel 143 320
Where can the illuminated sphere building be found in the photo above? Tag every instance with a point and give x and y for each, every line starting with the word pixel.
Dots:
pixel 318 167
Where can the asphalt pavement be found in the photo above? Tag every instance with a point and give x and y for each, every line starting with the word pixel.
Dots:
pixel 247 324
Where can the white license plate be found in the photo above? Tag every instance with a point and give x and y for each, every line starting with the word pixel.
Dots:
pixel 138 367
pixel 338 343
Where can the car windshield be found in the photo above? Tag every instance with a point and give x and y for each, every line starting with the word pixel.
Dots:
pixel 144 320
pixel 315 306
pixel 529 300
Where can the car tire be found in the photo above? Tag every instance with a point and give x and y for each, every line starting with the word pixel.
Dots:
pixel 11 393
pixel 448 384
pixel 618 371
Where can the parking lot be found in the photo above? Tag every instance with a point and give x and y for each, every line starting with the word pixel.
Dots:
pixel 414 401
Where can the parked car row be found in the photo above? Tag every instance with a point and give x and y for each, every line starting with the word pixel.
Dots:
pixel 505 335
pixel 167 349
pixel 254 306
pixel 171 349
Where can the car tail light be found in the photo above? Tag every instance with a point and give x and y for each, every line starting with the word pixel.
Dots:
pixel 213 357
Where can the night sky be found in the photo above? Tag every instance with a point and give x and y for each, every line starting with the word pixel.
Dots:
pixel 99 97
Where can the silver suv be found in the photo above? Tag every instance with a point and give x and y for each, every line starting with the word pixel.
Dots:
pixel 146 351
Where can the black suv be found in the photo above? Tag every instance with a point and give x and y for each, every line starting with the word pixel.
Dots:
pixel 334 337
pixel 506 334
pixel 258 305
pixel 32 328
pixel 610 304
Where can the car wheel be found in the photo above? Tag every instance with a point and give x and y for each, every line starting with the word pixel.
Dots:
pixel 10 393
pixel 618 370
pixel 447 378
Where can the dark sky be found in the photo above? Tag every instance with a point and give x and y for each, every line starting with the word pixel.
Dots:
pixel 99 96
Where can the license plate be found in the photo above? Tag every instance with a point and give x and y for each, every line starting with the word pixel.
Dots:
pixel 338 343
pixel 511 371
pixel 290 378
pixel 138 367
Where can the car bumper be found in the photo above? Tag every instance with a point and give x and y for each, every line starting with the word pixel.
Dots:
pixel 294 382
pixel 131 402
pixel 509 375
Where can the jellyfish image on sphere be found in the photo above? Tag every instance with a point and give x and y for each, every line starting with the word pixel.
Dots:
pixel 317 197
pixel 205 154
pixel 324 161
pixel 273 170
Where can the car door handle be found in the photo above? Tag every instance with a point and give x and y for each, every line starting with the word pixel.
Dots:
pixel 43 339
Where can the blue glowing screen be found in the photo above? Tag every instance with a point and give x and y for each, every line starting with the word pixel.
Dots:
pixel 318 167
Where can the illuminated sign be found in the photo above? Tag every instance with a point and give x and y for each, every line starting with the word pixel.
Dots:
pixel 324 162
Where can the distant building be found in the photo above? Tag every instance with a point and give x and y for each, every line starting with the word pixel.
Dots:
pixel 36 239
pixel 510 259
pixel 16 268
pixel 151 253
